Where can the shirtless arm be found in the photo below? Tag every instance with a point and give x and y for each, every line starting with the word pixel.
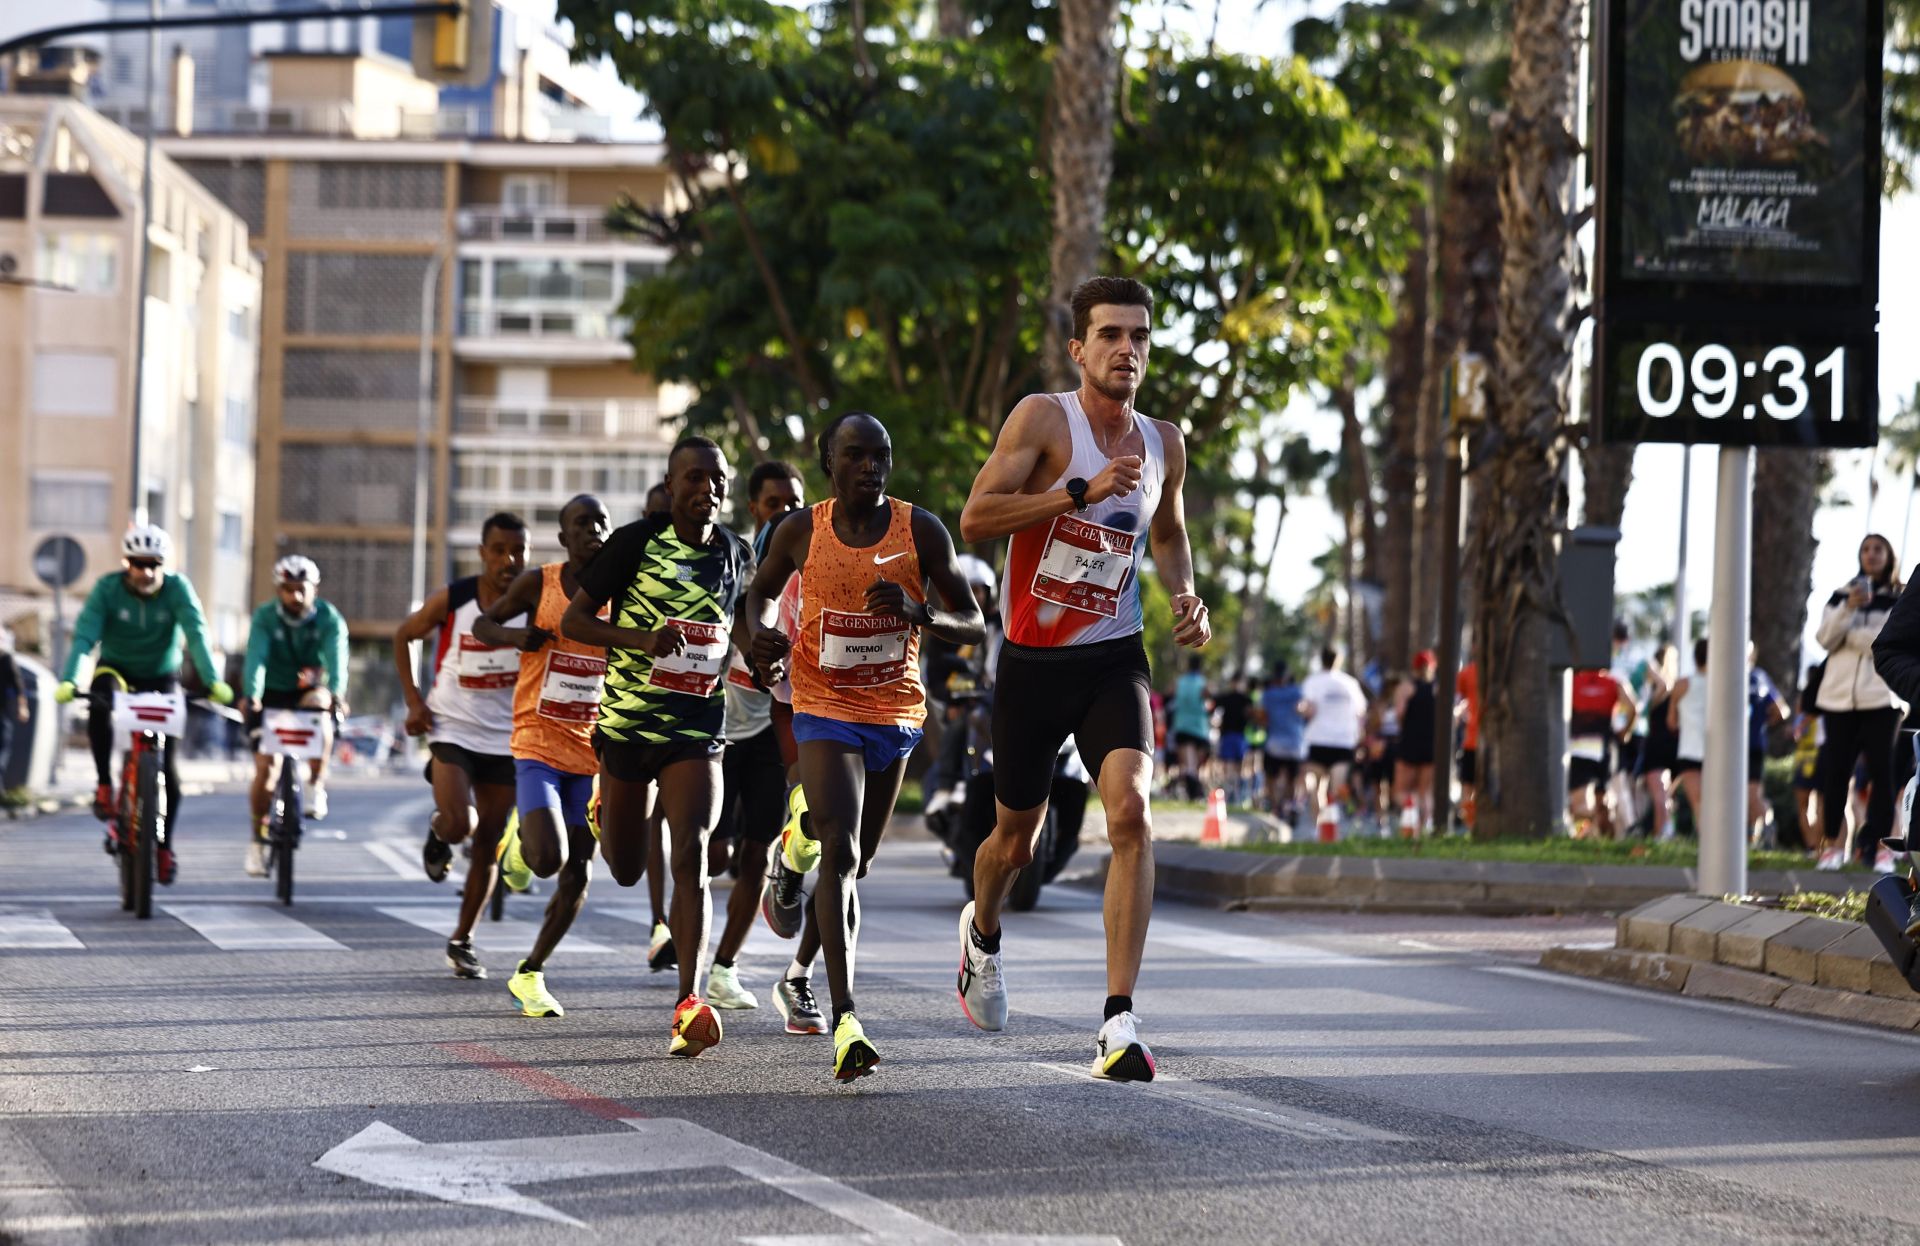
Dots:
pixel 786 551
pixel 418 626
pixel 1172 553
pixel 1000 503
pixel 522 597
pixel 961 622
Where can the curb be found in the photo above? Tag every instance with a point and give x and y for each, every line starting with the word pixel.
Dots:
pixel 1768 958
pixel 1185 871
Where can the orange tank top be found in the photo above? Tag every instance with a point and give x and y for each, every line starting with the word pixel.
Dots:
pixel 848 664
pixel 556 699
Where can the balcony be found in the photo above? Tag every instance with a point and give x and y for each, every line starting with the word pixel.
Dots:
pixel 500 223
pixel 611 419
pixel 530 329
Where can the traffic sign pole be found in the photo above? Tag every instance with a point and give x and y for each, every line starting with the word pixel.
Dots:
pixel 1723 777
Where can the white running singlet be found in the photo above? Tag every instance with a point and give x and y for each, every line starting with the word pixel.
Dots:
pixel 472 697
pixel 1075 581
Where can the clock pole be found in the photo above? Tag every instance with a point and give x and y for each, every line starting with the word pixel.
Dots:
pixel 1723 777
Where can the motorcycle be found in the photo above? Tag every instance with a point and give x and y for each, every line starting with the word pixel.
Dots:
pixel 960 809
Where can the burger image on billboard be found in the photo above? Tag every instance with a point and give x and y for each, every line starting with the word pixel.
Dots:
pixel 1744 113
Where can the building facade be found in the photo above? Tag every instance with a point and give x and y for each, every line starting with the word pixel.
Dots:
pixel 70 231
pixel 529 394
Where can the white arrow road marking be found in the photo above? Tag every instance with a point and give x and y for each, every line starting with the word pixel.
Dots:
pixel 35 928
pixel 483 1174
pixel 507 933
pixel 250 928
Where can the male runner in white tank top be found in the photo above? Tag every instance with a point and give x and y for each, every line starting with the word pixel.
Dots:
pixel 1076 480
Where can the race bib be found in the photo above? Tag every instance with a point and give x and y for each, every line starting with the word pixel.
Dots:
pixel 1589 747
pixel 570 692
pixel 862 650
pixel 484 668
pixel 1083 566
pixel 697 668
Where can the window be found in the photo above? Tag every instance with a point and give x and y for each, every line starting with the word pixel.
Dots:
pixel 84 263
pixel 237 425
pixel 72 502
pixel 553 279
pixel 232 533
pixel 75 383
pixel 527 190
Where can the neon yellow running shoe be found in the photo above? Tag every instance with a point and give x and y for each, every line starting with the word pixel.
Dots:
pixel 593 810
pixel 514 870
pixel 531 990
pixel 797 845
pixel 853 1055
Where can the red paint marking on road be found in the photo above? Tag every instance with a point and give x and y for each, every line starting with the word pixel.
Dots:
pixel 546 1083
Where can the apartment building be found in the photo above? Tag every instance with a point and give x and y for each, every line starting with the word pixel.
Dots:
pixel 70 231
pixel 366 220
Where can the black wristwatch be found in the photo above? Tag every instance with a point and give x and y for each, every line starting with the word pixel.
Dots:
pixel 1077 490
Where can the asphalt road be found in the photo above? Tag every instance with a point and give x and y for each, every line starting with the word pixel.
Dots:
pixel 1352 1079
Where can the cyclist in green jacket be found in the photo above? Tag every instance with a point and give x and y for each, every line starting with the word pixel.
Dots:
pixel 138 617
pixel 296 659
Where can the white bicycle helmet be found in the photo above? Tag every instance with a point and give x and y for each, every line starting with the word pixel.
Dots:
pixel 147 541
pixel 296 569
pixel 973 570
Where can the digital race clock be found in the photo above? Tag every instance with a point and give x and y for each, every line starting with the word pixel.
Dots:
pixel 1736 385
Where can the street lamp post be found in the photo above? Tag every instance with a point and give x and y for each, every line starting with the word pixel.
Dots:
pixel 144 242
pixel 422 423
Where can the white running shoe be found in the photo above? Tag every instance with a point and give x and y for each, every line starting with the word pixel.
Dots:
pixel 1119 1055
pixel 724 989
pixel 256 857
pixel 983 995
pixel 316 801
pixel 1831 859
pixel 1884 861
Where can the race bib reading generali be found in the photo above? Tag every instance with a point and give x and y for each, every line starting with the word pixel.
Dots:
pixel 1084 566
pixel 570 693
pixel 862 650
pixel 697 668
pixel 484 668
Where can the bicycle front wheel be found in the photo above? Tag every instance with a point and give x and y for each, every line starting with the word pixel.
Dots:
pixel 286 836
pixel 146 831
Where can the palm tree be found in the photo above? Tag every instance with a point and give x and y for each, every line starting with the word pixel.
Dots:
pixel 1516 576
pixel 1080 105
pixel 1786 486
pixel 1900 435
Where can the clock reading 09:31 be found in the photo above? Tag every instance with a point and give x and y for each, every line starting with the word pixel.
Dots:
pixel 1716 382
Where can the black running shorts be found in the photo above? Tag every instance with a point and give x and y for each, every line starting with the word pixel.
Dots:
pixel 1095 693
pixel 485 769
pixel 753 797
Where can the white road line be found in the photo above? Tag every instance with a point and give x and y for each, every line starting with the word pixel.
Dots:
pixel 1748 1011
pixel 1247 1110
pixel 250 928
pixel 1266 950
pixel 507 934
pixel 405 862
pixel 34 928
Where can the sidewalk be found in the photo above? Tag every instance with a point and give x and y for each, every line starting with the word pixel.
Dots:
pixel 1186 870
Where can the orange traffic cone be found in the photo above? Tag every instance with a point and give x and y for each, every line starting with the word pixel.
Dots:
pixel 1216 817
pixel 1327 827
pixel 1409 821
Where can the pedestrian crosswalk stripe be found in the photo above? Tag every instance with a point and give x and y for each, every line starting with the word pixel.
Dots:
pixel 395 857
pixel 34 928
pixel 250 928
pixel 506 935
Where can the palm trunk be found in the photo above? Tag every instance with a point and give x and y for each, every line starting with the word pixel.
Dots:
pixel 1517 583
pixel 1399 470
pixel 1362 532
pixel 1783 548
pixel 1080 101
pixel 1607 472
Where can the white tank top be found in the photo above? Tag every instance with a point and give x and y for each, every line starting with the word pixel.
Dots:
pixel 472 697
pixel 1075 581
pixel 1693 720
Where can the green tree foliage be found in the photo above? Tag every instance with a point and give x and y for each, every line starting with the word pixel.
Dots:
pixel 863 223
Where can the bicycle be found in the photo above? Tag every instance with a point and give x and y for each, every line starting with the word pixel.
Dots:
pixel 140 828
pixel 295 736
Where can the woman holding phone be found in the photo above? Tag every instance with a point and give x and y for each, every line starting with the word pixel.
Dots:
pixel 1860 712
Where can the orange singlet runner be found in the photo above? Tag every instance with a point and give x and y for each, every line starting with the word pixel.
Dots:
pixel 850 665
pixel 556 700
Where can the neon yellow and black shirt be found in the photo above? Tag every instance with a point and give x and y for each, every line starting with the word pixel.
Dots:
pixel 652 578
